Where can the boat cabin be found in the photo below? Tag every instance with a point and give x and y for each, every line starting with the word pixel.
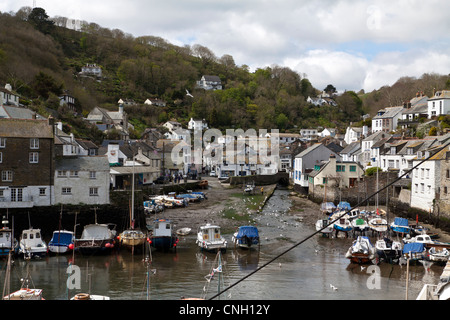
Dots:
pixel 162 228
pixel 31 234
pixel 210 232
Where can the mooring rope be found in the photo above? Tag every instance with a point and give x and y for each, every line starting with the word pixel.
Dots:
pixel 340 216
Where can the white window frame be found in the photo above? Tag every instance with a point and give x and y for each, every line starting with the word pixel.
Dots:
pixel 93 191
pixel 33 157
pixel 2 142
pixel 7 175
pixel 66 190
pixel 34 143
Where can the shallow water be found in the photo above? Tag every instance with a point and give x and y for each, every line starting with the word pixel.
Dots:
pixel 305 272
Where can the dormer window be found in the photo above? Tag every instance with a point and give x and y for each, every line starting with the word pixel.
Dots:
pixel 393 150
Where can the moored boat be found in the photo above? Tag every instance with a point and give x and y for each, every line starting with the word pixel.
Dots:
pixel 400 226
pixel 209 238
pixel 378 224
pixel 132 239
pixel 161 235
pixel 7 241
pixel 31 244
pixel 324 226
pixel 183 231
pixel 388 250
pixel 87 296
pixel 96 239
pixel 414 251
pixel 246 237
pixel 439 255
pixel 360 225
pixel 342 225
pixel 327 207
pixel 361 251
pixel 62 242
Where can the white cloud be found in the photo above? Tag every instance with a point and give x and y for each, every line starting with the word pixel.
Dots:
pixel 351 44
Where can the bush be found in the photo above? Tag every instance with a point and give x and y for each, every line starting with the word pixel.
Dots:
pixel 371 171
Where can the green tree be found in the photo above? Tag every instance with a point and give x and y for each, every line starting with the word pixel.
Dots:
pixel 39 19
pixel 44 84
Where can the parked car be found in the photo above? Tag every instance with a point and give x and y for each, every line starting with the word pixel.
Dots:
pixel 212 173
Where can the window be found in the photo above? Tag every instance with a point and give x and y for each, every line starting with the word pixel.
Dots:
pixel 352 168
pixel 7 175
pixel 42 191
pixel 93 191
pixel 66 190
pixel 1 157
pixel 92 175
pixel 34 157
pixel 61 173
pixel 16 194
pixel 2 142
pixel 74 174
pixel 340 168
pixel 34 143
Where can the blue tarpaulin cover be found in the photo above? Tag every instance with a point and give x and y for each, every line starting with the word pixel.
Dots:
pixel 344 205
pixel 62 238
pixel 251 232
pixel 413 247
pixel 401 222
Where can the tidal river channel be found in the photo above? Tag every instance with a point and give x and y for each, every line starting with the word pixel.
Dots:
pixel 307 272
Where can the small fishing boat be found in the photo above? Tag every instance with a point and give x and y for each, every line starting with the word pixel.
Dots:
pixel 249 188
pixel 7 241
pixel 439 255
pixel 415 251
pixel 183 231
pixel 25 294
pixel 400 226
pixel 31 244
pixel 343 206
pixel 360 225
pixel 96 239
pixel 210 239
pixel 324 226
pixel 378 224
pixel 423 238
pixel 132 239
pixel 388 250
pixel 342 225
pixel 62 242
pixel 361 251
pixel 161 236
pixel 246 237
pixel 152 206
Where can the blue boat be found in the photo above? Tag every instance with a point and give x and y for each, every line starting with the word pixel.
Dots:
pixel 327 207
pixel 161 235
pixel 344 205
pixel 414 251
pixel 246 237
pixel 61 242
pixel 400 225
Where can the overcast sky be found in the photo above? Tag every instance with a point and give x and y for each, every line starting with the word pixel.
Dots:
pixel 351 44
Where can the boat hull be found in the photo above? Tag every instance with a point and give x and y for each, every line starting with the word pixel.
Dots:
pixel 90 247
pixel 212 246
pixel 163 243
pixel 59 248
pixel 33 253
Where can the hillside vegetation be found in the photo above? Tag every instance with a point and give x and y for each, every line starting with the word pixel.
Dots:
pixel 41 59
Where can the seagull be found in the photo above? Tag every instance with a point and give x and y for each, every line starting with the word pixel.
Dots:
pixel 363 268
pixel 188 93
pixel 333 287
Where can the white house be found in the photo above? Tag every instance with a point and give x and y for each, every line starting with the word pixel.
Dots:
pixel 172 125
pixel 426 178
pixel 387 119
pixel 155 102
pixel 197 124
pixel 210 83
pixel 82 180
pixel 91 69
pixel 8 97
pixel 308 134
pixel 439 104
pixel 353 134
pixel 327 132
pixel 306 160
pixel 367 152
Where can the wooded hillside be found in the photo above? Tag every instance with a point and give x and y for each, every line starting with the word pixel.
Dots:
pixel 41 59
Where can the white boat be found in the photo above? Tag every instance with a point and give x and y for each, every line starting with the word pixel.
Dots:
pixel 359 225
pixel 400 226
pixel 7 241
pixel 210 239
pixel 361 250
pixel 25 294
pixel 423 238
pixel 96 239
pixel 31 244
pixel 183 231
pixel 62 242
pixel 378 224
pixel 388 250
pixel 438 254
pixel 324 226
pixel 246 237
pixel 343 225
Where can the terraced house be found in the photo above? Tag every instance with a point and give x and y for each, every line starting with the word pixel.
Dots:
pixel 26 163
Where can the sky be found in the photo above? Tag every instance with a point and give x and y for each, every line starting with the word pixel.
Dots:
pixel 351 44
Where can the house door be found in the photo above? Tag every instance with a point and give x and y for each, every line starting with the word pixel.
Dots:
pixel 352 182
